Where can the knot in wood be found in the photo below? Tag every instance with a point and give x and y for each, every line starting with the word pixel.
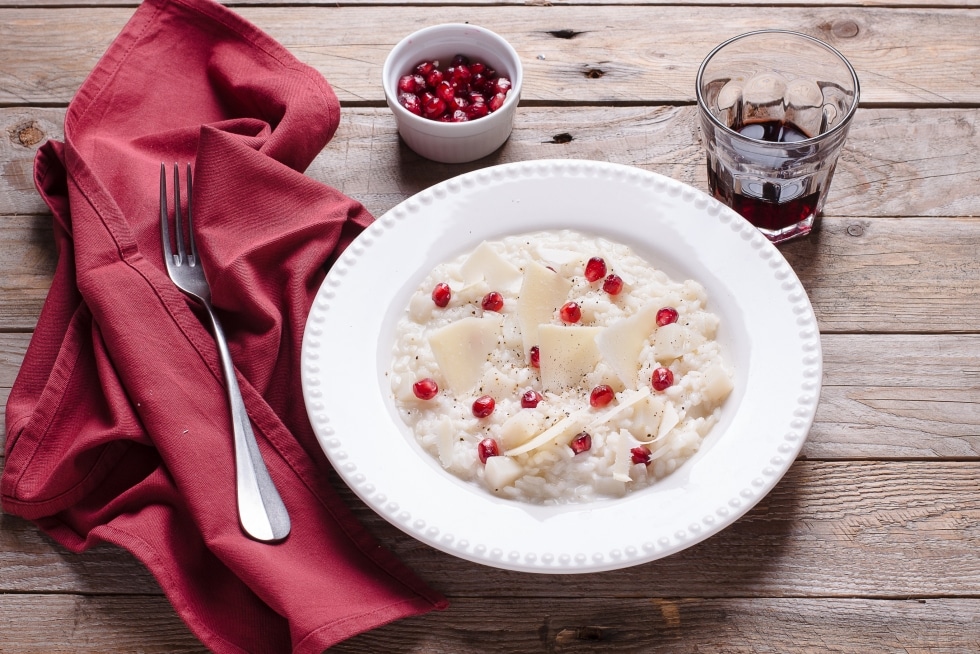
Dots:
pixel 844 29
pixel 564 34
pixel 594 73
pixel 569 635
pixel 29 135
pixel 855 230
pixel 564 137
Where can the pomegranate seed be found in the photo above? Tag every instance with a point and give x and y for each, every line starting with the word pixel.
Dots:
pixel 613 284
pixel 434 78
pixel 530 399
pixel 458 103
pixel 460 60
pixel 434 107
pixel 640 454
pixel 496 102
pixel 662 379
pixel 601 396
pixel 477 110
pixel 502 85
pixel 570 312
pixel 492 301
pixel 581 443
pixel 595 269
pixel 461 76
pixel 486 449
pixel 483 406
pixel 406 84
pixel 666 316
pixel 425 389
pixel 444 90
pixel 479 81
pixel 535 356
pixel 441 294
pixel 459 116
pixel 477 67
pixel 426 67
pixel 411 102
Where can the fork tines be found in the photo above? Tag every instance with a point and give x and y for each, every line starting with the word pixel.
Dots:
pixel 184 254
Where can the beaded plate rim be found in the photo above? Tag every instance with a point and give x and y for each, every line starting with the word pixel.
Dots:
pixel 338 430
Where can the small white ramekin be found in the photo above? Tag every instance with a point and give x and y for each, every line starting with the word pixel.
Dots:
pixel 453 142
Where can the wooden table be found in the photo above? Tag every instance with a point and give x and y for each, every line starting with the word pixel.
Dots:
pixel 870 543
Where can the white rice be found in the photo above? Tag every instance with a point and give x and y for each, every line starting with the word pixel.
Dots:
pixel 552 473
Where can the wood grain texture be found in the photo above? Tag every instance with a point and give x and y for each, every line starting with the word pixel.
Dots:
pixel 829 529
pixel 76 624
pixel 885 396
pixel 236 4
pixel 896 162
pixel 53 49
pixel 80 625
pixel 682 626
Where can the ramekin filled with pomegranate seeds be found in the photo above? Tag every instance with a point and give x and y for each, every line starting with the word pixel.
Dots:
pixel 453 90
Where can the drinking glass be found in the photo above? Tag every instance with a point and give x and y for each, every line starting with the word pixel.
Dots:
pixel 774 108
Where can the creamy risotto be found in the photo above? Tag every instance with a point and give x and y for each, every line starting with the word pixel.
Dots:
pixel 555 367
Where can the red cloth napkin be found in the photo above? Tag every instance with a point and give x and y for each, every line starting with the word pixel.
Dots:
pixel 118 429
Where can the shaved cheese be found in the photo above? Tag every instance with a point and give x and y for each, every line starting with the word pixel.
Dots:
pixel 674 341
pixel 622 458
pixel 520 428
pixel 717 384
pixel 621 343
pixel 647 417
pixel 562 432
pixel 568 353
pixel 542 292
pixel 471 292
pixel 485 264
pixel 462 348
pixel 559 433
pixel 501 471
pixel 445 443
pixel 626 401
pixel 668 420
pixel 561 257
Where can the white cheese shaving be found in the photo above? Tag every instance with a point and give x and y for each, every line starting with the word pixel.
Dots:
pixel 462 349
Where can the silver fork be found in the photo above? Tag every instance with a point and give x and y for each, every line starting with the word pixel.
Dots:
pixel 261 510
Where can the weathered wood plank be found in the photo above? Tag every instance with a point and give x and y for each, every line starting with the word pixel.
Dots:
pixel 682 626
pixel 897 162
pixel 898 396
pixel 236 4
pixel 841 529
pixel 56 624
pixel 897 275
pixel 27 262
pixel 73 624
pixel 49 51
pixel 894 396
pixel 22 132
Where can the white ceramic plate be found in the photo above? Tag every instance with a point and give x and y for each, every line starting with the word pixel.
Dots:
pixel 768 331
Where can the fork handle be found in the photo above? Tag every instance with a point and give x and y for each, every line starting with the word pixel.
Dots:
pixel 261 511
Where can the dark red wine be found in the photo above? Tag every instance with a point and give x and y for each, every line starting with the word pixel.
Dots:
pixel 765 208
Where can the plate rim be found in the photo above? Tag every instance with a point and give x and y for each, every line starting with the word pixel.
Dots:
pixel 418 525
